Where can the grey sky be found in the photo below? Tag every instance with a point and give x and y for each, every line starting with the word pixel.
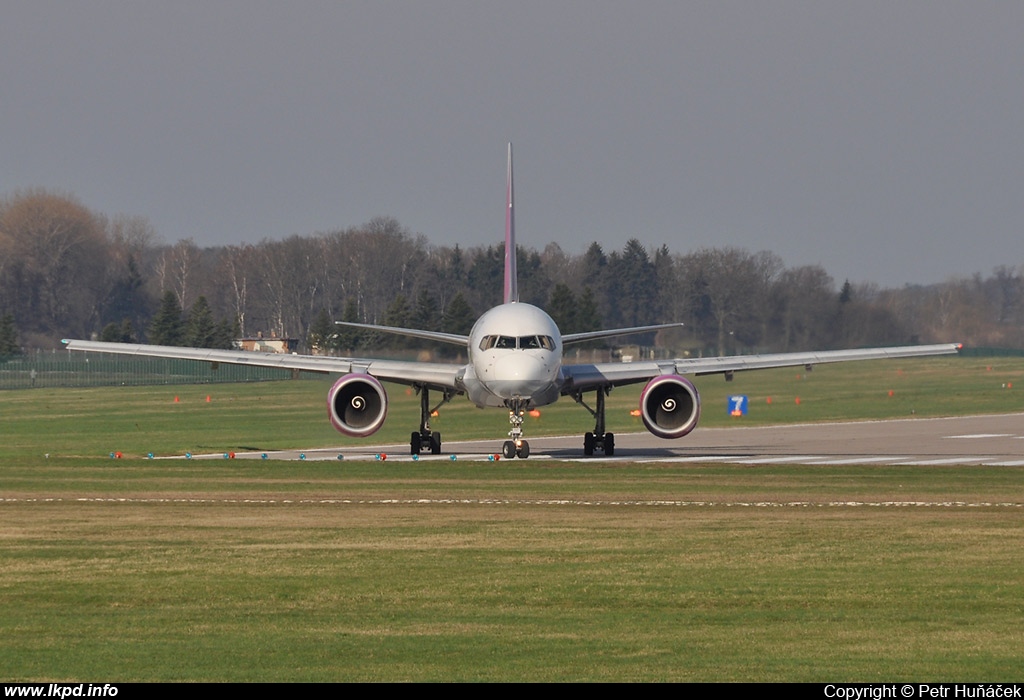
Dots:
pixel 882 140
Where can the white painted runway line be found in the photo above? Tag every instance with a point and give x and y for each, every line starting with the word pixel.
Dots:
pixel 773 460
pixel 682 460
pixel 393 502
pixel 745 460
pixel 979 436
pixel 840 461
pixel 937 462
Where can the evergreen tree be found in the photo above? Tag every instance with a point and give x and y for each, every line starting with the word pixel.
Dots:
pixel 128 298
pixel 588 318
pixel 534 284
pixel 167 327
pixel 349 338
pixel 846 295
pixel 596 275
pixel 201 330
pixel 397 314
pixel 8 337
pixel 486 274
pixel 458 317
pixel 426 312
pixel 320 333
pixel 562 309
pixel 111 333
pixel 122 332
pixel 633 280
pixel 225 334
pixel 128 332
pixel 594 263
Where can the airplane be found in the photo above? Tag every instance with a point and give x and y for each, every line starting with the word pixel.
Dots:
pixel 514 362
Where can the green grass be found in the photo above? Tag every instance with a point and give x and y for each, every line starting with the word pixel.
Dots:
pixel 137 570
pixel 293 414
pixel 192 575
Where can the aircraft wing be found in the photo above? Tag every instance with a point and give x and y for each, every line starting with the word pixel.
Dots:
pixel 432 374
pixel 586 377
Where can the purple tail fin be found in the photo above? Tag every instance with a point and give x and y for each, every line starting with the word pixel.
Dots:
pixel 511 282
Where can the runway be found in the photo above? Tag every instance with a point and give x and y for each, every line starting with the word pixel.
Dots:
pixel 995 440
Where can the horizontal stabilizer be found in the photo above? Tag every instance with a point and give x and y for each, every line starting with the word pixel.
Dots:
pixel 570 338
pixel 450 338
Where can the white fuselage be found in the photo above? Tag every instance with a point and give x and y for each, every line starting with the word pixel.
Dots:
pixel 515 353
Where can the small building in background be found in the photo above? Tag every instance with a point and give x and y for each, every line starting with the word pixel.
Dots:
pixel 273 344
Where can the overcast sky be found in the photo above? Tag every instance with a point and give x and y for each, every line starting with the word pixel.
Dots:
pixel 882 140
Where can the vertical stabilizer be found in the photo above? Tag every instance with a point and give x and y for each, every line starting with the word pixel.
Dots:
pixel 511 281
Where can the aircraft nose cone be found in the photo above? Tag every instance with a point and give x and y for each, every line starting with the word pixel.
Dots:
pixel 521 374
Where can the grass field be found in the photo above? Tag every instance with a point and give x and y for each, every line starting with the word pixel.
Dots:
pixel 139 570
pixel 293 414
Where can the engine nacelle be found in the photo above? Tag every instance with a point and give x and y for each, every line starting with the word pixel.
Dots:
pixel 357 405
pixel 670 406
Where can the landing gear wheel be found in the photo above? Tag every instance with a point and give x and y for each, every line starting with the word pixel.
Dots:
pixel 599 439
pixel 427 439
pixel 524 450
pixel 508 449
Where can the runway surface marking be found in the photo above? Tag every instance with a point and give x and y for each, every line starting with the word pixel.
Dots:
pixel 521 502
pixel 739 459
pixel 936 462
pixel 771 460
pixel 980 436
pixel 839 461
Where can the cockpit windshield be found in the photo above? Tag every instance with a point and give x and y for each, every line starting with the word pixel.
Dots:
pixel 526 342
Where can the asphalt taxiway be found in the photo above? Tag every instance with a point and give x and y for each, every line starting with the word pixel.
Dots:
pixel 996 440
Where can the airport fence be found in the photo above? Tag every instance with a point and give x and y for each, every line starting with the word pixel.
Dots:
pixel 61 368
pixel 992 352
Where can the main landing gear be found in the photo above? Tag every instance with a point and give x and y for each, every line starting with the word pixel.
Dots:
pixel 599 439
pixel 426 439
pixel 517 446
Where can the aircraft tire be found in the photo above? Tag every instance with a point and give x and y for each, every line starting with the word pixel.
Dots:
pixel 435 443
pixel 508 449
pixel 588 444
pixel 415 443
pixel 609 444
pixel 524 450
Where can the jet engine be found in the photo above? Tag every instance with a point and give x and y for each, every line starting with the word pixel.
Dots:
pixel 357 405
pixel 670 406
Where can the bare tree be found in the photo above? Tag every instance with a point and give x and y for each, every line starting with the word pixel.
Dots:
pixel 177 269
pixel 131 237
pixel 806 306
pixel 723 284
pixel 57 259
pixel 236 271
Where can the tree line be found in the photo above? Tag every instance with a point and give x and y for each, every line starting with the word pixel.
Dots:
pixel 66 271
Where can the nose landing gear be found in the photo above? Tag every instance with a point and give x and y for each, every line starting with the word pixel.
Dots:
pixel 516 446
pixel 511 448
